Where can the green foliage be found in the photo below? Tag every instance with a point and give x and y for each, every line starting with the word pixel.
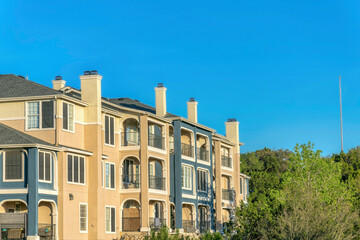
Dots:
pixel 211 236
pixel 163 234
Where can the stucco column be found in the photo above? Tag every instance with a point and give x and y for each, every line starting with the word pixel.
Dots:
pixel 32 174
pixel 178 183
pixel 218 187
pixel 144 196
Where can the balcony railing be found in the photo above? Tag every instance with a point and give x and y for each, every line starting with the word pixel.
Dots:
pixel 188 226
pixel 130 181
pixel 156 182
pixel 226 161
pixel 47 231
pixel 204 226
pixel 156 141
pixel 130 139
pixel 187 150
pixel 157 223
pixel 131 224
pixel 228 194
pixel 202 154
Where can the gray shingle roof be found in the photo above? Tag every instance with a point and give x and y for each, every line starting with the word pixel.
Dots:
pixel 15 86
pixel 9 136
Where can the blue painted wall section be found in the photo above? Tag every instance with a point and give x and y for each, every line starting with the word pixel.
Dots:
pixel 33 189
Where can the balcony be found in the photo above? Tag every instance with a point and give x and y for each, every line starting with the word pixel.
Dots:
pixel 202 154
pixel 228 194
pixel 47 231
pixel 204 226
pixel 226 161
pixel 156 182
pixel 187 150
pixel 189 226
pixel 157 223
pixel 131 181
pixel 130 139
pixel 156 141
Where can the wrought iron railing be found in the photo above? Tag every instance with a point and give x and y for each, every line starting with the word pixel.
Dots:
pixel 157 223
pixel 228 194
pixel 202 154
pixel 47 231
pixel 131 224
pixel 156 182
pixel 226 161
pixel 130 181
pixel 156 141
pixel 187 150
pixel 189 226
pixel 204 226
pixel 130 139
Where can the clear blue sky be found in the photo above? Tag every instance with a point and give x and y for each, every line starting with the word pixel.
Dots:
pixel 274 65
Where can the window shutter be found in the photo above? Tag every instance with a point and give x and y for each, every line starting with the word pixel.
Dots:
pixel 112 174
pixel 47 166
pixel 112 137
pixel 65 116
pixel 82 170
pixel 41 166
pixel 107 129
pixel 113 216
pixel 47 114
pixel 70 168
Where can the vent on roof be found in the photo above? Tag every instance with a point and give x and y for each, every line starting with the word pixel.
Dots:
pixel 21 76
pixel 58 78
pixel 192 99
pixel 160 85
pixel 231 120
pixel 92 72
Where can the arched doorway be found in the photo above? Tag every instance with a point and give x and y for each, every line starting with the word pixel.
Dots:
pixel 13 219
pixel 131 216
pixel 47 219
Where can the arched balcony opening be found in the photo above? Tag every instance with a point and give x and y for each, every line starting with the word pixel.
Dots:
pixel 202 148
pixel 131 216
pixel 157 174
pixel 226 160
pixel 156 136
pixel 227 188
pixel 157 213
pixel 13 219
pixel 187 143
pixel 188 218
pixel 47 212
pixel 203 219
pixel 131 133
pixel 130 173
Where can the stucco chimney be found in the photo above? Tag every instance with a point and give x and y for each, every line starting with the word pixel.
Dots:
pixel 192 110
pixel 91 94
pixel 160 100
pixel 58 83
pixel 232 132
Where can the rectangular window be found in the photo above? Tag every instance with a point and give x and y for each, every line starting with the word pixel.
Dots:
pixel 40 115
pixel 110 175
pixel 13 165
pixel 68 117
pixel 45 166
pixel 202 180
pixel 83 217
pixel 109 130
pixel 76 169
pixel 186 177
pixel 110 219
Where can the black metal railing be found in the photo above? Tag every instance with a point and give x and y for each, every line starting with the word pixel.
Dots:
pixel 228 194
pixel 202 154
pixel 189 226
pixel 130 139
pixel 157 223
pixel 226 161
pixel 156 141
pixel 187 150
pixel 204 226
pixel 47 231
pixel 130 181
pixel 131 224
pixel 156 182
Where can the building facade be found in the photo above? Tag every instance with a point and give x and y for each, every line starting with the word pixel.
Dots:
pixel 76 165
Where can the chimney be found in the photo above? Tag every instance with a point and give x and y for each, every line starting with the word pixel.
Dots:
pixel 232 132
pixel 192 110
pixel 160 100
pixel 91 93
pixel 58 83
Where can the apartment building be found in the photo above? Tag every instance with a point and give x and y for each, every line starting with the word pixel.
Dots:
pixel 76 165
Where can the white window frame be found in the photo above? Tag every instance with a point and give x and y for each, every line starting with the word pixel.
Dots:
pixel 109 163
pixel 72 176
pixel 51 167
pixel 68 114
pixel 87 211
pixel 109 144
pixel 183 180
pixel 110 232
pixel 22 166
pixel 40 118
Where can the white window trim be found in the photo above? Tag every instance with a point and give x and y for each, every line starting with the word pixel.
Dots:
pixel 22 166
pixel 110 163
pixel 67 169
pixel 191 173
pixel 108 206
pixel 51 167
pixel 108 144
pixel 66 130
pixel 87 221
pixel 40 113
